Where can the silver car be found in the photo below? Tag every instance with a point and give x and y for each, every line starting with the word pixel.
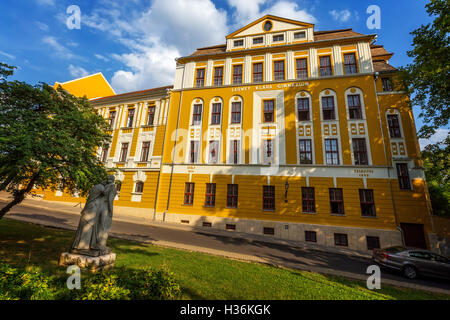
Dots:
pixel 413 262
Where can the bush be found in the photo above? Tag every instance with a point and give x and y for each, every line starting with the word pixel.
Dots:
pixel 125 284
pixel 28 284
pixel 116 284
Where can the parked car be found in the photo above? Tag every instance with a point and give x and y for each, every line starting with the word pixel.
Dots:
pixel 413 262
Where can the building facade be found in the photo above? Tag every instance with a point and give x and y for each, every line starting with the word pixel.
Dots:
pixel 283 131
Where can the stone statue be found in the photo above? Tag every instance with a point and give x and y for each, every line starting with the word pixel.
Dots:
pixel 95 221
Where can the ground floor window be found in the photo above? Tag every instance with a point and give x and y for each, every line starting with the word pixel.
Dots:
pixel 367 203
pixel 268 197
pixel 189 193
pixel 310 236
pixel 373 243
pixel 308 200
pixel 336 201
pixel 232 196
pixel 340 239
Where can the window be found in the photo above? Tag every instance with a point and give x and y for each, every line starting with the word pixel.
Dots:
pixel 123 152
pixel 367 203
pixel 325 66
pixel 238 43
pixel 139 188
pixel 267 151
pixel 104 155
pixel 310 236
pixel 373 243
pixel 193 155
pixel 215 113
pixel 336 201
pixel 230 227
pixel 360 152
pixel 200 78
pixel 150 115
pixel 237 74
pixel 354 106
pixel 278 70
pixel 218 76
pixel 340 239
pixel 394 126
pixel 232 196
pixel 328 108
pixel 269 197
pixel 189 193
pixel 130 118
pixel 268 111
pixel 118 186
pixel 235 112
pixel 403 176
pixel 278 37
pixel 387 84
pixel 308 200
pixel 210 195
pixel 213 151
pixel 207 224
pixel 299 35
pixel 258 40
pixel 269 231
pixel 197 114
pixel 258 72
pixel 303 109
pixel 302 68
pixel 234 152
pixel 331 151
pixel 112 118
pixel 145 151
pixel 305 151
pixel 350 63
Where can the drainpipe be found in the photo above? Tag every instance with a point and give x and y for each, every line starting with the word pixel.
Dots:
pixel 376 75
pixel 174 145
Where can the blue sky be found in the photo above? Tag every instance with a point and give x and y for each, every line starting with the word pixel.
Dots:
pixel 134 42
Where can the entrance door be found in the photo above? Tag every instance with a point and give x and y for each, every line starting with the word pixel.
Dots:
pixel 414 235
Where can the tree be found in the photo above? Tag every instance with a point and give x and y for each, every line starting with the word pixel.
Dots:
pixel 48 140
pixel 427 78
pixel 437 171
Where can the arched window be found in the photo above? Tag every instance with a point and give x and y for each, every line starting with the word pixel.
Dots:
pixel 328 104
pixel 139 188
pixel 197 111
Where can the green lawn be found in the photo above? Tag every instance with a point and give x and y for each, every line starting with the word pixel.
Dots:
pixel 201 276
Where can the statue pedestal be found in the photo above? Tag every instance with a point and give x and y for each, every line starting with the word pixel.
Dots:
pixel 93 264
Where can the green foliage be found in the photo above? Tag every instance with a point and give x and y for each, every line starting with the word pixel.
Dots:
pixel 116 284
pixel 48 139
pixel 437 171
pixel 427 78
pixel 28 284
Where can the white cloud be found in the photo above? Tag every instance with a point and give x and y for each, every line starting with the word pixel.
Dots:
pixel 46 2
pixel 42 26
pixel 341 16
pixel 439 136
pixel 101 57
pixel 10 56
pixel 77 72
pixel 247 11
pixel 58 49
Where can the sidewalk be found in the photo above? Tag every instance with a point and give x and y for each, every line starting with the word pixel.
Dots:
pixel 135 232
pixel 145 218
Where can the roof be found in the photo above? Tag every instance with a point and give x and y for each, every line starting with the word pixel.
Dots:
pixel 335 34
pixel 380 53
pixel 383 67
pixel 134 95
pixel 91 86
pixel 318 36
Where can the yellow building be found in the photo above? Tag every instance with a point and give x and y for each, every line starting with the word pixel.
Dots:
pixel 282 131
pixel 296 134
pixel 92 86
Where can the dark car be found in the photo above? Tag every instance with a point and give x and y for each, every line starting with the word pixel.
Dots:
pixel 413 262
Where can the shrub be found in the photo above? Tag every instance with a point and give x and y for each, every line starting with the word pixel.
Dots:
pixel 27 284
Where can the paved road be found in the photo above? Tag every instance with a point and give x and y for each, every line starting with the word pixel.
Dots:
pixel 276 254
